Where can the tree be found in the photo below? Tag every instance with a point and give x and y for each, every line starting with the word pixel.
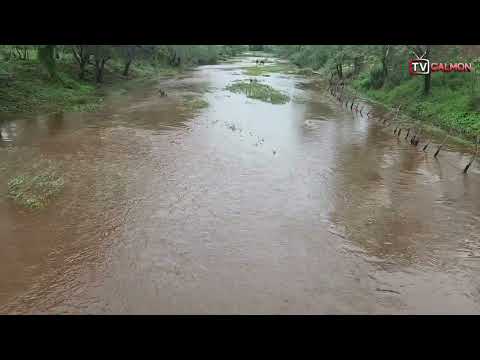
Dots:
pixel 82 55
pixel 101 54
pixel 428 77
pixel 46 55
pixel 384 59
pixel 424 51
pixel 339 60
pixel 128 52
pixel 22 51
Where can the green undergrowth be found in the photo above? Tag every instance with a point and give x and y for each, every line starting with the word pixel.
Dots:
pixel 259 91
pixel 453 104
pixel 25 87
pixel 28 91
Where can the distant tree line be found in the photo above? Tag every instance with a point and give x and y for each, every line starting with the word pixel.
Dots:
pixel 96 57
pixel 386 65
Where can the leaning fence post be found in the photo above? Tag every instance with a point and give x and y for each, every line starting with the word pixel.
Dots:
pixel 474 155
pixel 441 145
pixel 414 140
pixel 426 145
pixel 394 118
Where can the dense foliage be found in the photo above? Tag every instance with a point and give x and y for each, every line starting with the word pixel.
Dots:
pixel 65 76
pixel 97 56
pixel 449 100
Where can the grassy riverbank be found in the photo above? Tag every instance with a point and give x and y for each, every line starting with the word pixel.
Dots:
pixel 50 78
pixel 31 90
pixel 452 104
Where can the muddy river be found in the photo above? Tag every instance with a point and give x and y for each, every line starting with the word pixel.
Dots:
pixel 243 207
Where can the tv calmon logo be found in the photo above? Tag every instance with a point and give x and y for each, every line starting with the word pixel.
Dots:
pixel 422 66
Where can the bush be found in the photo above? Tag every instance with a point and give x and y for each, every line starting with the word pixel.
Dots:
pixel 376 78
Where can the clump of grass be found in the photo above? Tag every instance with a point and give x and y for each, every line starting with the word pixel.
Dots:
pixel 192 102
pixel 258 91
pixel 263 70
pixel 36 188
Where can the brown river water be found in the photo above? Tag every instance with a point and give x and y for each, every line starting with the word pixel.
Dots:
pixel 243 207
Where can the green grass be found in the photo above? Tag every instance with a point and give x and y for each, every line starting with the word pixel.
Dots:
pixel 263 70
pixel 452 105
pixel 192 102
pixel 31 90
pixel 36 188
pixel 258 91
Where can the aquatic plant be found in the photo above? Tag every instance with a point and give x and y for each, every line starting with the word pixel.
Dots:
pixel 192 102
pixel 35 188
pixel 259 91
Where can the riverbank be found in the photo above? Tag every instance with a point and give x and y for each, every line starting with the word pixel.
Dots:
pixel 453 104
pixel 452 108
pixel 443 112
pixel 31 90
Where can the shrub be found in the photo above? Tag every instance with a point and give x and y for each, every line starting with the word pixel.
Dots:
pixel 376 77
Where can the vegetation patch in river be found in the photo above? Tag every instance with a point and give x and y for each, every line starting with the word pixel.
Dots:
pixel 192 102
pixel 264 70
pixel 35 189
pixel 258 91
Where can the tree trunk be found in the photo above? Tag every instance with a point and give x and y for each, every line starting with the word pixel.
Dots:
pixel 386 50
pixel 340 71
pixel 47 58
pixel 385 68
pixel 81 75
pixel 127 67
pixel 82 59
pixel 99 66
pixel 356 65
pixel 428 77
pixel 428 80
pixel 98 74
